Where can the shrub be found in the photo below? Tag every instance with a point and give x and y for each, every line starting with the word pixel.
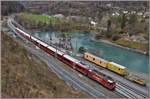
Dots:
pixel 82 49
pixel 115 37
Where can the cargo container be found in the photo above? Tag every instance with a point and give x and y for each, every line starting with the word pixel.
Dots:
pixel 116 68
pixel 99 61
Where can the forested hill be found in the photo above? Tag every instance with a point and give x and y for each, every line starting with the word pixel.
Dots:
pixel 85 8
pixel 9 7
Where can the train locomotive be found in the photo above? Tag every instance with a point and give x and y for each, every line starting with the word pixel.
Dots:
pixel 102 79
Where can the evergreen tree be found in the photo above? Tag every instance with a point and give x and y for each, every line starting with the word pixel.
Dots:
pixel 108 33
pixel 123 21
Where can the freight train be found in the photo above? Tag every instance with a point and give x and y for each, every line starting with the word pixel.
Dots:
pixel 102 79
pixel 121 70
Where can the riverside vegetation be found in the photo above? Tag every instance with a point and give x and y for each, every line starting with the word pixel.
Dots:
pixel 117 27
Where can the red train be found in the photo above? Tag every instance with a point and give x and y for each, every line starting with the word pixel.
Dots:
pixel 104 80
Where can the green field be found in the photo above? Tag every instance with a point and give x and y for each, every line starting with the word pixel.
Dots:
pixel 51 23
pixel 39 18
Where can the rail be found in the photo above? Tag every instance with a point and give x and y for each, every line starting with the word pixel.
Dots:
pixel 130 93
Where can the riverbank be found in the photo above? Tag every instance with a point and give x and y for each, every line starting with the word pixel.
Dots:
pixel 108 42
pixel 116 45
pixel 131 56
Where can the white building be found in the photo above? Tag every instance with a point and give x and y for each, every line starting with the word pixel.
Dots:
pixel 140 13
pixel 58 16
pixel 93 23
pixel 125 12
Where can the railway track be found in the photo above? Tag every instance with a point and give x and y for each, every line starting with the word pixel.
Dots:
pixel 68 77
pixel 120 88
pixel 126 92
pixel 77 83
pixel 63 74
pixel 137 92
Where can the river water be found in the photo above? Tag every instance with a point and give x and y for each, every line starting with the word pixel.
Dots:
pixel 132 60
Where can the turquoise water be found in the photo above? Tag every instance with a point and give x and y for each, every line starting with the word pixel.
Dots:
pixel 132 60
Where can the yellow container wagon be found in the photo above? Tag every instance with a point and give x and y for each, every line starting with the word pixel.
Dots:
pixel 116 68
pixel 136 79
pixel 99 61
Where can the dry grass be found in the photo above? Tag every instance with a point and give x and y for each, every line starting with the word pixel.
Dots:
pixel 132 44
pixel 24 75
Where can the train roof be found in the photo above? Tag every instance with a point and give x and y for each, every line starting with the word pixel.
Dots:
pixel 120 66
pixel 108 78
pixel 23 32
pixel 34 38
pixel 71 58
pixel 96 56
pixel 44 44
pixel 54 50
pixel 110 81
pixel 48 46
pixel 113 63
pixel 76 61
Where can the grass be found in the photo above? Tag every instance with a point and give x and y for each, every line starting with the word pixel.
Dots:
pixel 39 18
pixel 24 75
pixel 44 22
pixel 132 44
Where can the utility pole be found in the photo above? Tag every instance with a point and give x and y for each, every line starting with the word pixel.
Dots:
pixel 56 51
pixel 50 39
pixel 75 51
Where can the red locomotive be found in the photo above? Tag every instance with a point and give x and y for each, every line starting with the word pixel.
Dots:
pixel 104 80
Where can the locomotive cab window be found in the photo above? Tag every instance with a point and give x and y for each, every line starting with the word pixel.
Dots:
pixel 93 58
pixel 86 55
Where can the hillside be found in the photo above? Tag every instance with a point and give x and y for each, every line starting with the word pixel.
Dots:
pixel 9 7
pixel 24 75
pixel 84 8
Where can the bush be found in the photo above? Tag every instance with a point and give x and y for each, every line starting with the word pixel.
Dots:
pixel 108 34
pixel 82 49
pixel 115 37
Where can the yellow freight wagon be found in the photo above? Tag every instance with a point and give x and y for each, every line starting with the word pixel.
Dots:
pixel 96 60
pixel 136 79
pixel 116 68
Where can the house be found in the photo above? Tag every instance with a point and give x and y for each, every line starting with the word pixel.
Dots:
pixel 140 13
pixel 133 12
pixel 93 23
pixel 139 39
pixel 59 16
pixel 125 12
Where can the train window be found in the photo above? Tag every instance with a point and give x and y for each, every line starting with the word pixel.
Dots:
pixel 119 68
pixel 79 67
pixel 66 60
pixel 93 58
pixel 86 55
pixel 100 62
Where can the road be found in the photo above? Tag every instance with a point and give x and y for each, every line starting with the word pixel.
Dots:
pixel 121 89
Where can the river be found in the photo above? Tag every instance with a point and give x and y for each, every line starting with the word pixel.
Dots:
pixel 132 60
